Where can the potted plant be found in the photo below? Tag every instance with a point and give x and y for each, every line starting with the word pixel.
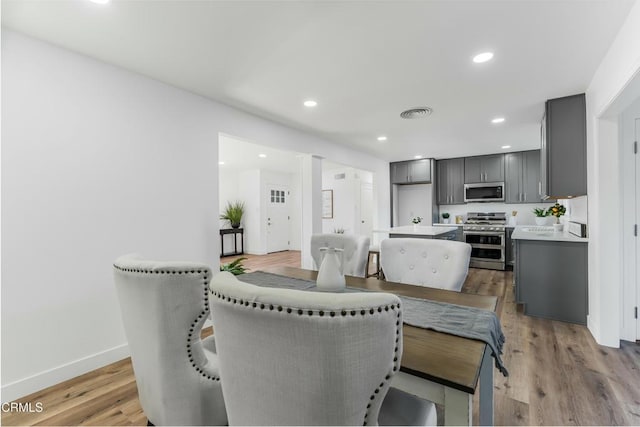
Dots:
pixel 416 221
pixel 557 211
pixel 541 216
pixel 445 218
pixel 235 267
pixel 233 213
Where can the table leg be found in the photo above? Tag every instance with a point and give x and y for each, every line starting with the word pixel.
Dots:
pixel 457 404
pixel 486 389
pixel 457 407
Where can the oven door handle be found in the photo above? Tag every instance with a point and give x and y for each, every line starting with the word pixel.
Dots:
pixel 486 246
pixel 483 233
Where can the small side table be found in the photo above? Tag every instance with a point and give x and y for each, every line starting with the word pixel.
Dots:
pixel 235 232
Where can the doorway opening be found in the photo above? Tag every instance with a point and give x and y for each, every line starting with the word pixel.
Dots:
pixel 268 182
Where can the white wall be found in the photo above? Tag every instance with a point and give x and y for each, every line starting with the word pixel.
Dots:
pixel 525 215
pixel 97 162
pixel 617 69
pixel 345 200
pixel 249 191
pixel 413 201
pixel 227 192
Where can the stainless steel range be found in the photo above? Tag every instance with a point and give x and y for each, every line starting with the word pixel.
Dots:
pixel 485 232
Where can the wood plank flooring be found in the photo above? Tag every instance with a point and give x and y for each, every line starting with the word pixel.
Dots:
pixel 558 374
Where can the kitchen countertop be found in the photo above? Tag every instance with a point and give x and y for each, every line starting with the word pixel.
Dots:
pixel 439 224
pixel 526 232
pixel 421 230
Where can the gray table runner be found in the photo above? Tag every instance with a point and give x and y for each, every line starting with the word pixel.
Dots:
pixel 462 321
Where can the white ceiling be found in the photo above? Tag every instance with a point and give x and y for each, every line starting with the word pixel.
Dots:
pixel 364 62
pixel 240 155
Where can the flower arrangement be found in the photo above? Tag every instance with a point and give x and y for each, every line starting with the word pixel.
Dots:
pixel 417 220
pixel 557 210
pixel 445 215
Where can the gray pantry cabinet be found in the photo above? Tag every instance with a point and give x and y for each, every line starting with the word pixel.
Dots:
pixel 564 148
pixel 484 169
pixel 450 181
pixel 411 172
pixel 522 173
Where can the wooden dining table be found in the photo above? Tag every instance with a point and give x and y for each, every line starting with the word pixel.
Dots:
pixel 443 368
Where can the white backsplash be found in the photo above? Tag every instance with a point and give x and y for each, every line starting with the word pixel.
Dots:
pixel 525 214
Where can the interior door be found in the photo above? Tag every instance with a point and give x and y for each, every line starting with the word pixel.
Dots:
pixel 278 217
pixel 366 209
pixel 637 266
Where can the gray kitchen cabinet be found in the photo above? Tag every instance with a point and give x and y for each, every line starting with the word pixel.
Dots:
pixel 399 172
pixel 551 279
pixel 411 172
pixel 522 173
pixel 450 182
pixel 564 148
pixel 484 169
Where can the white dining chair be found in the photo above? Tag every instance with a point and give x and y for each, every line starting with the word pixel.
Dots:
pixel 291 357
pixel 164 305
pixel 355 251
pixel 433 263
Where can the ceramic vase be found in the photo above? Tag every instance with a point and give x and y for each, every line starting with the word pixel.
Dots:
pixel 541 220
pixel 557 227
pixel 331 273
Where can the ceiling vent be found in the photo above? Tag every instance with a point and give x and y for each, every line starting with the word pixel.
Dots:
pixel 339 176
pixel 416 113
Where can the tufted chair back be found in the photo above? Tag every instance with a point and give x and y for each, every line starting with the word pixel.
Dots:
pixel 356 251
pixel 164 305
pixel 434 263
pixel 292 357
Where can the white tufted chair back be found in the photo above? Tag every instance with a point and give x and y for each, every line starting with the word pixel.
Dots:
pixel 434 263
pixel 356 251
pixel 164 305
pixel 292 357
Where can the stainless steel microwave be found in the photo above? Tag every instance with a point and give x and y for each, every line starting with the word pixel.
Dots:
pixel 484 192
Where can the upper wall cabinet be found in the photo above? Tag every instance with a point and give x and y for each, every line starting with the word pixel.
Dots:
pixel 522 173
pixel 484 169
pixel 411 172
pixel 564 148
pixel 450 181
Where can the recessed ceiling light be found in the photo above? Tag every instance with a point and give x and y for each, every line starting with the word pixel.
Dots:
pixel 310 103
pixel 417 156
pixel 382 138
pixel 504 147
pixel 262 156
pixel 99 1
pixel 498 120
pixel 221 163
pixel 483 57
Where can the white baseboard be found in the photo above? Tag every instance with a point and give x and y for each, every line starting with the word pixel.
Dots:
pixel 42 380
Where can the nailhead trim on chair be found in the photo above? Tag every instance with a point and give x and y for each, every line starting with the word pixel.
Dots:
pixel 195 321
pixel 321 313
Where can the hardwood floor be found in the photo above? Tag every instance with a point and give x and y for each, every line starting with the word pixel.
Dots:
pixel 558 374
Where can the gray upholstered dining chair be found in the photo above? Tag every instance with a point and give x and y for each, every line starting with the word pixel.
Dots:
pixel 355 255
pixel 164 305
pixel 432 263
pixel 291 357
